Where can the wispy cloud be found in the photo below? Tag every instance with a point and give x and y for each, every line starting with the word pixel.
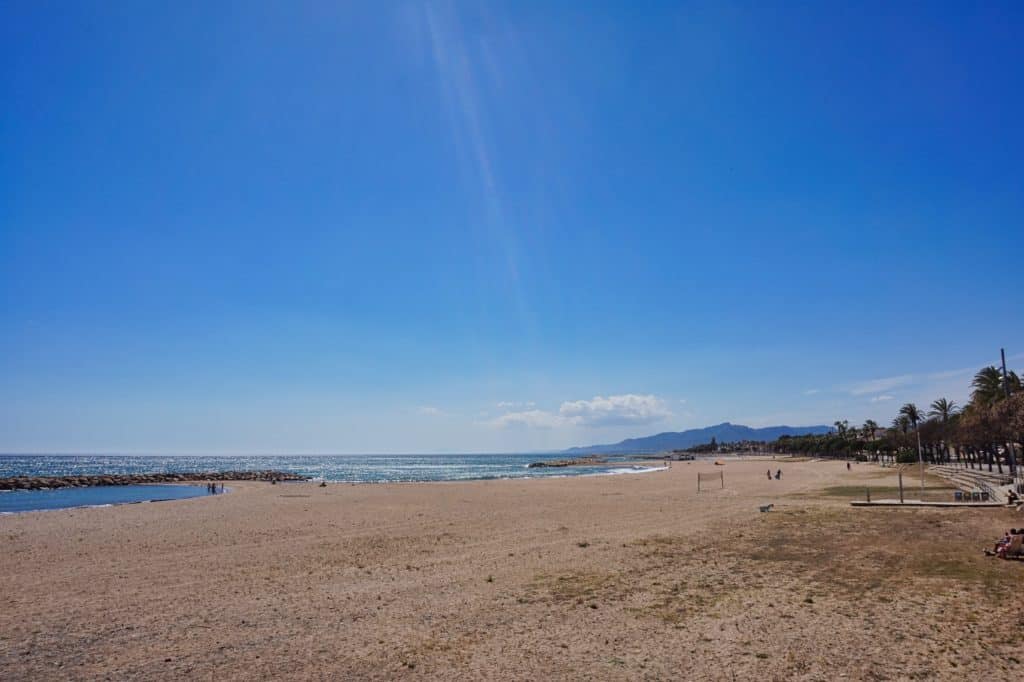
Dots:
pixel 613 410
pixel 879 385
pixel 938 380
pixel 951 373
pixel 882 398
pixel 812 391
pixel 515 405
pixel 430 410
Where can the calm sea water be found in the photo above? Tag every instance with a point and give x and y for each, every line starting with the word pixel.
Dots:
pixel 345 468
pixel 64 498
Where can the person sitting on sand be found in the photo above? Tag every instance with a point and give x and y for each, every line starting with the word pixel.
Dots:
pixel 1002 549
pixel 1001 543
pixel 1012 497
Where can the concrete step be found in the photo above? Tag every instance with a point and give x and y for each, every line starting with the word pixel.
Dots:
pixel 969 480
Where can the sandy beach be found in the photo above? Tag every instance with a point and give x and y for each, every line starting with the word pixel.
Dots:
pixel 603 577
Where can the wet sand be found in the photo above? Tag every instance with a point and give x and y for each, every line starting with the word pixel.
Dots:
pixel 608 577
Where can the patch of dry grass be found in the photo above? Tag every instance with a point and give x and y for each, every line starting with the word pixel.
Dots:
pixel 800 556
pixel 578 587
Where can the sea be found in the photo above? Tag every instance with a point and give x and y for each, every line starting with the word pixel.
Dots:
pixel 331 468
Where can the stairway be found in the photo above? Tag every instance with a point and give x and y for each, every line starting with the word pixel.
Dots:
pixel 969 480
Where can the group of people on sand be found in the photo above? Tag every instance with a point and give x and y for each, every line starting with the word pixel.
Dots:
pixel 778 474
pixel 211 488
pixel 1005 545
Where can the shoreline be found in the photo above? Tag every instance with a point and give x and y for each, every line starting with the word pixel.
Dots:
pixel 46 482
pixel 621 469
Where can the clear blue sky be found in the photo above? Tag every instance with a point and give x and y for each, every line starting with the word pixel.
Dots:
pixel 396 227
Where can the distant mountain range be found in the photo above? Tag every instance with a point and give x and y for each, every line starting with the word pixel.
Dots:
pixel 679 440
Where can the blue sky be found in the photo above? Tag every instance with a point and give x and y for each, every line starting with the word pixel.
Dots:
pixel 414 227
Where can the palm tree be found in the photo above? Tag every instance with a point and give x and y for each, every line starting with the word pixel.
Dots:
pixel 870 426
pixel 900 425
pixel 913 414
pixel 988 386
pixel 944 410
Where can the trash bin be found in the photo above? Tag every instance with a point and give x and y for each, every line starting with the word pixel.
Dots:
pixel 958 496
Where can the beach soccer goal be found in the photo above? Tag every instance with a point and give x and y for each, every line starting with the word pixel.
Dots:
pixel 705 481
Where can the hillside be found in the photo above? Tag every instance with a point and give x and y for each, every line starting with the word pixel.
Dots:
pixel 678 440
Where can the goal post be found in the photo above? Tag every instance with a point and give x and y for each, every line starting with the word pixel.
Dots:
pixel 709 479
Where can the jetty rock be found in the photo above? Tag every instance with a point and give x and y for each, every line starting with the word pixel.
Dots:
pixel 80 481
pixel 577 461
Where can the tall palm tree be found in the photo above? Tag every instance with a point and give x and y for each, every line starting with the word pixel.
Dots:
pixel 870 426
pixel 913 414
pixel 988 386
pixel 901 425
pixel 944 410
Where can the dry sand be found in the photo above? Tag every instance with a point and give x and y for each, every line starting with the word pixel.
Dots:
pixel 607 577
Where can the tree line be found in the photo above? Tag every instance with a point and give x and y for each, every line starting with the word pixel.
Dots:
pixel 985 432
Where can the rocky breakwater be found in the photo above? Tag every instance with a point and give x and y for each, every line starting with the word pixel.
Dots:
pixel 50 482
pixel 575 462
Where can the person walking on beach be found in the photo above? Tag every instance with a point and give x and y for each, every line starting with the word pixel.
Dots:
pixel 847 466
pixel 769 474
pixel 778 474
